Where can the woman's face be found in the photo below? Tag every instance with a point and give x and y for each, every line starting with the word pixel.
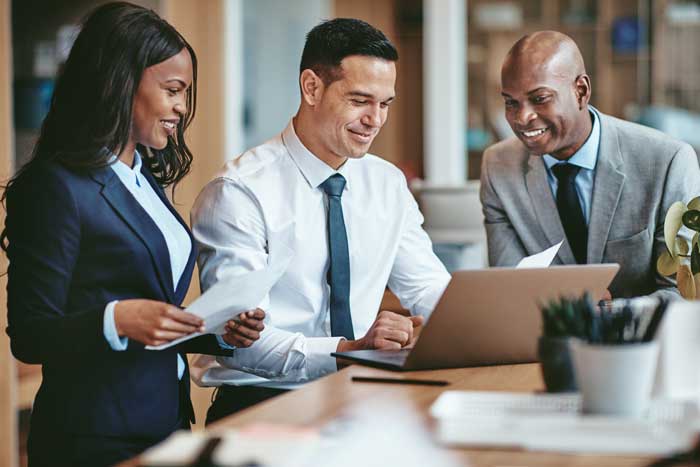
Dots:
pixel 161 101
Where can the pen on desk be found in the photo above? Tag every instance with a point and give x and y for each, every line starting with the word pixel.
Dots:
pixel 424 382
pixel 205 457
pixel 653 326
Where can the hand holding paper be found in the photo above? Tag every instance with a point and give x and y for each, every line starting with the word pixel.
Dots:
pixel 236 294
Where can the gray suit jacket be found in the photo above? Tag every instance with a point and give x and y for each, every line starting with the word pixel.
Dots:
pixel 640 172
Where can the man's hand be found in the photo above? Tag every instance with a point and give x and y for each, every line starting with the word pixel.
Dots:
pixel 244 330
pixel 389 331
pixel 607 295
pixel 154 323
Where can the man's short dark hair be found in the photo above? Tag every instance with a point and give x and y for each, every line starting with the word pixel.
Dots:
pixel 331 41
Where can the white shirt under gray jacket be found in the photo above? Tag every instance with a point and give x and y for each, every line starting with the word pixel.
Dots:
pixel 277 184
pixel 639 173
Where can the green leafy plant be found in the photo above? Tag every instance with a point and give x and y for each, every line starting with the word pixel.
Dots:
pixel 565 317
pixel 680 258
pixel 581 318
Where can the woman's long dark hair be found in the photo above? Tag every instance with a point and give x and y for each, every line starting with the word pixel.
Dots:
pixel 91 107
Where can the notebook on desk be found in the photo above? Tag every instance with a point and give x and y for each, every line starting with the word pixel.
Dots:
pixel 488 317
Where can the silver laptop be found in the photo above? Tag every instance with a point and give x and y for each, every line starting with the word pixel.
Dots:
pixel 488 317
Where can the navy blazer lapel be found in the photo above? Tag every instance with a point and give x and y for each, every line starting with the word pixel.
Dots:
pixel 184 284
pixel 607 188
pixel 140 222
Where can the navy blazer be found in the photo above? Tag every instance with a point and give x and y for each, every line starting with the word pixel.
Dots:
pixel 77 242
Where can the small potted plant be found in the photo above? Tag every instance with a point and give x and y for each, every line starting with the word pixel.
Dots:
pixel 562 319
pixel 615 360
pixel 680 257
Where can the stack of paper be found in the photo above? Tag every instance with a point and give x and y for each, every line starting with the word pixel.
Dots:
pixel 553 422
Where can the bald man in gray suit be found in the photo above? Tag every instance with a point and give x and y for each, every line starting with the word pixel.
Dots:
pixel 573 173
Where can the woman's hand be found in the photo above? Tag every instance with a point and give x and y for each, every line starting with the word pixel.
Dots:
pixel 154 323
pixel 245 329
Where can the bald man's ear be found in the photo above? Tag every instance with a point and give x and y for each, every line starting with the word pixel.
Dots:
pixel 312 87
pixel 583 91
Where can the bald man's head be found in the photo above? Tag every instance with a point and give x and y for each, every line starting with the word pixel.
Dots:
pixel 546 91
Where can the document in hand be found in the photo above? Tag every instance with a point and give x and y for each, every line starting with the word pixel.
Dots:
pixel 236 294
pixel 540 260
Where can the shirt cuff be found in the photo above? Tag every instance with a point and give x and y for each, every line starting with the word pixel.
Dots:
pixel 318 355
pixel 223 344
pixel 109 328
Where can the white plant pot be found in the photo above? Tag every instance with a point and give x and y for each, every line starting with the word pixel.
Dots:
pixel 615 379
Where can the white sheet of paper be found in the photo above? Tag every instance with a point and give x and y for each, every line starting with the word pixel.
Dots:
pixel 540 260
pixel 236 294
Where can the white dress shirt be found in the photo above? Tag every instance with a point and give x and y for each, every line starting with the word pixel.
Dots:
pixel 276 185
pixel 175 236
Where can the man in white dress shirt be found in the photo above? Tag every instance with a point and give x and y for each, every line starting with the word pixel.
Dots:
pixel 356 226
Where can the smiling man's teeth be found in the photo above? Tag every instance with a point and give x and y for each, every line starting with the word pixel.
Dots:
pixel 532 133
pixel 169 125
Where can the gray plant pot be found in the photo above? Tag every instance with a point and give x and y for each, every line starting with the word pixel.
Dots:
pixel 556 364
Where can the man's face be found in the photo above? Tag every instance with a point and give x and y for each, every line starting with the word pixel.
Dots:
pixel 542 108
pixel 354 108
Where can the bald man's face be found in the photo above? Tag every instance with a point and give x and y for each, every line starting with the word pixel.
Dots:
pixel 544 107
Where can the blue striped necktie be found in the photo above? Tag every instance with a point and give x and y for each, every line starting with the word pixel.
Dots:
pixel 339 271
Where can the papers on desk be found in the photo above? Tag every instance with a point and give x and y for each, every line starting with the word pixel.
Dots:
pixel 236 294
pixel 542 259
pixel 553 422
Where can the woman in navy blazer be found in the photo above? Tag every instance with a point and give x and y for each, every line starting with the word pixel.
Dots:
pixel 99 259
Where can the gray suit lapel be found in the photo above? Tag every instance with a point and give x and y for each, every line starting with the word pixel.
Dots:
pixel 545 207
pixel 607 188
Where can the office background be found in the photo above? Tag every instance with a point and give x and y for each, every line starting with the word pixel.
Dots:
pixel 640 54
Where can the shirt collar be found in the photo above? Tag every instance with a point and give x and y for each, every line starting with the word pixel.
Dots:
pixel 124 171
pixel 587 155
pixel 314 170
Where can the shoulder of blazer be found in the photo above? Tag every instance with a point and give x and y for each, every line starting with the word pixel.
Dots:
pixel 509 155
pixel 639 141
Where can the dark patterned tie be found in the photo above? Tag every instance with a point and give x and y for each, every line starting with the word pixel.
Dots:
pixel 570 211
pixel 339 272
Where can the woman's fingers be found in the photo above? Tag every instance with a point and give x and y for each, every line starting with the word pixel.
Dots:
pixel 251 323
pixel 244 331
pixel 171 325
pixel 183 317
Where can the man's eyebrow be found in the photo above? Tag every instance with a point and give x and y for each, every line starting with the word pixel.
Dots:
pixel 361 94
pixel 541 88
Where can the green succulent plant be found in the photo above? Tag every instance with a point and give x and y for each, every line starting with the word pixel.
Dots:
pixel 581 318
pixel 564 317
pixel 680 258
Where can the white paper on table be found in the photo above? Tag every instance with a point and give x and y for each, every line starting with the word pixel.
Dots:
pixel 542 259
pixel 236 294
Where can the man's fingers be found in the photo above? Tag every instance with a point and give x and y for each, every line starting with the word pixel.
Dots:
pixel 395 335
pixel 416 320
pixel 383 344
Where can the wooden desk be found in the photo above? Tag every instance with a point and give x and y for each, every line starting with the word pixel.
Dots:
pixel 321 401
